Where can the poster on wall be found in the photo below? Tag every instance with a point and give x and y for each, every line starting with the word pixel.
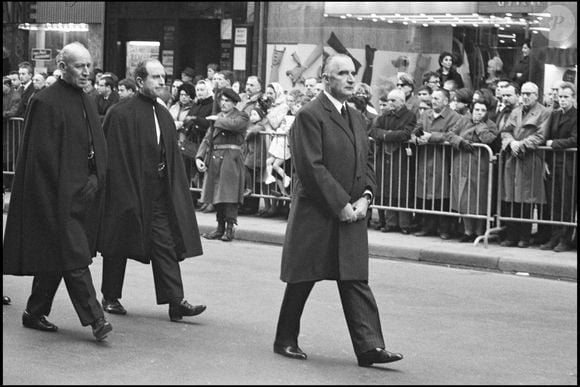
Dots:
pixel 286 61
pixel 138 51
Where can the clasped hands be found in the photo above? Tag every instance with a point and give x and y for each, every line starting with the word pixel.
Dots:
pixel 354 212
pixel 422 139
pixel 517 148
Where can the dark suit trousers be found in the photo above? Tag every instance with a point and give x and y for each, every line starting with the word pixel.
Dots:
pixel 79 285
pixel 166 270
pixel 360 311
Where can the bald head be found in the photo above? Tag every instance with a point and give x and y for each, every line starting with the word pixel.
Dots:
pixel 75 63
pixel 397 94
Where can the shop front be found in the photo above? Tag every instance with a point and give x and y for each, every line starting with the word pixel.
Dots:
pixel 388 38
pixel 180 34
pixel 38 31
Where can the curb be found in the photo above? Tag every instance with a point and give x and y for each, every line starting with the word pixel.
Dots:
pixel 485 261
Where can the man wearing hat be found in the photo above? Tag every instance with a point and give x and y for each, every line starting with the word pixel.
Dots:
pixel 187 75
pixel 221 148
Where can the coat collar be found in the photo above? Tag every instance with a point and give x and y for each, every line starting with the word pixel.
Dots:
pixel 399 113
pixel 335 115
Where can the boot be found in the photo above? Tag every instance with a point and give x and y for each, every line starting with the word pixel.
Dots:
pixel 217 233
pixel 229 234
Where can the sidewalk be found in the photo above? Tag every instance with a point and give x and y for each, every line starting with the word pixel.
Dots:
pixel 526 261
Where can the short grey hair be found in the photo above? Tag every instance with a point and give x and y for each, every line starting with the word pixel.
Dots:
pixel 533 86
pixel 398 94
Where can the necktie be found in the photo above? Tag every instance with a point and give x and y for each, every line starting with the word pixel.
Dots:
pixel 343 113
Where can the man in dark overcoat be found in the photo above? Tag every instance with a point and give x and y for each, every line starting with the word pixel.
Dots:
pixel 149 214
pixel 326 238
pixel 562 181
pixel 53 220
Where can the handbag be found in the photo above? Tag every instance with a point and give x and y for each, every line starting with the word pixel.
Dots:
pixel 188 149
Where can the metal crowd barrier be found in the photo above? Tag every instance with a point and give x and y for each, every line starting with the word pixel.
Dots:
pixel 12 131
pixel 559 184
pixel 436 179
pixel 407 180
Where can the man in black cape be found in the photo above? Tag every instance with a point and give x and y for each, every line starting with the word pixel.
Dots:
pixel 149 214
pixel 57 195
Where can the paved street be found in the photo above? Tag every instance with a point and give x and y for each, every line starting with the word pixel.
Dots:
pixel 454 326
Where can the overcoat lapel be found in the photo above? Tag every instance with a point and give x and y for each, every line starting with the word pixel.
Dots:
pixel 336 117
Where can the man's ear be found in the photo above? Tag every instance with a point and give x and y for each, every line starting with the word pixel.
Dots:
pixel 61 65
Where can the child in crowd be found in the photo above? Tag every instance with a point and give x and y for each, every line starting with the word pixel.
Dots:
pixel 279 153
pixel 279 149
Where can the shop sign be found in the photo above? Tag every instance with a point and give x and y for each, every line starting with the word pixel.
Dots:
pixel 241 36
pixel 511 6
pixel 41 54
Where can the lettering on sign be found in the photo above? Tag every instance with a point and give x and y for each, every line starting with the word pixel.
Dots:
pixel 241 36
pixel 41 54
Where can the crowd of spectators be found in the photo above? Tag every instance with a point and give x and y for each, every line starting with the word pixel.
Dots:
pixel 506 114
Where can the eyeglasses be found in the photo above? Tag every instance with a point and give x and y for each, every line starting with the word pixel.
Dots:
pixel 402 84
pixel 434 82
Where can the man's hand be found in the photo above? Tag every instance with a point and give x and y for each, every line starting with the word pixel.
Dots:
pixel 212 118
pixel 466 146
pixel 515 147
pixel 200 165
pixel 361 207
pixel 347 214
pixel 424 139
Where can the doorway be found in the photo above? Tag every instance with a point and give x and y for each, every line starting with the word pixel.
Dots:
pixel 199 44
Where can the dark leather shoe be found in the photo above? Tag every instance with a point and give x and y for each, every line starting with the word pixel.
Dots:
pixel 113 306
pixel 378 356
pixel 467 238
pixel 6 300
pixel 405 231
pixel 445 236
pixel 523 244
pixel 291 351
pixel 101 328
pixel 508 243
pixel 184 309
pixel 549 245
pixel 422 233
pixel 562 246
pixel 40 323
